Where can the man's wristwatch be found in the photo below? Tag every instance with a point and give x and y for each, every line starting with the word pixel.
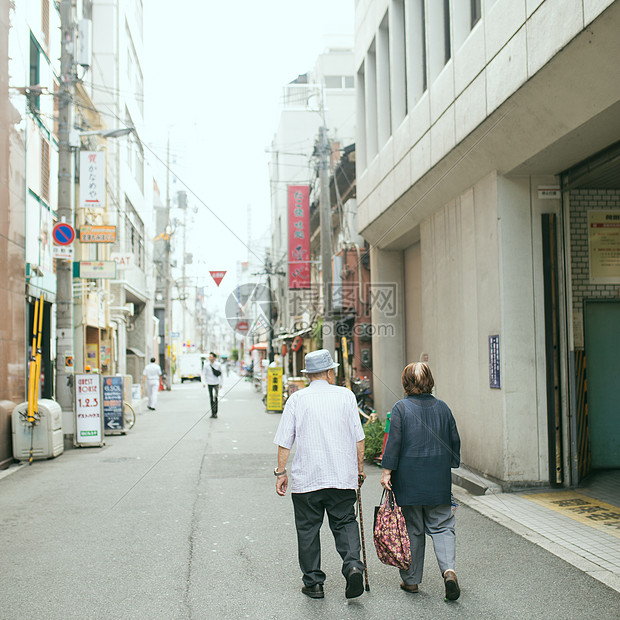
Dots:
pixel 279 473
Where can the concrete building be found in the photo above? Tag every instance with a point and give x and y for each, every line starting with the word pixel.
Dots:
pixel 29 171
pixel 291 164
pixel 116 86
pixel 488 185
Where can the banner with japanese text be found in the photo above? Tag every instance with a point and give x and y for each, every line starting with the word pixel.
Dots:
pixel 298 237
pixel 92 180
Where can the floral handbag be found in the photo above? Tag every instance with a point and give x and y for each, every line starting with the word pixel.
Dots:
pixel 390 533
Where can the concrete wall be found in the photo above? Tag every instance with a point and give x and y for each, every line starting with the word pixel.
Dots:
pixel 507 99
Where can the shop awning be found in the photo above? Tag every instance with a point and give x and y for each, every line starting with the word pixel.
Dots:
pixel 301 332
pixel 259 346
pixel 134 351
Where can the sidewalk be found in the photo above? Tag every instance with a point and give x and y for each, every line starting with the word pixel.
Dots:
pixel 580 526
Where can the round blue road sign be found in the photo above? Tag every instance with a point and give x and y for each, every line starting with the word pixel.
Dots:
pixel 63 234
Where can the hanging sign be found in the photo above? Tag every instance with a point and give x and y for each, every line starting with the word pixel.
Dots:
pixel 298 237
pixel 217 276
pixel 123 261
pixel 92 179
pixel 66 252
pixel 88 418
pixel 113 403
pixel 63 234
pixel 97 234
pixel 274 388
pixel 494 363
pixel 93 270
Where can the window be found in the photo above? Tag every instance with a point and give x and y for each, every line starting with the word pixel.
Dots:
pixel 339 81
pixel 446 25
pixel 476 12
pixel 45 21
pixel 45 170
pixel 134 228
pixel 34 100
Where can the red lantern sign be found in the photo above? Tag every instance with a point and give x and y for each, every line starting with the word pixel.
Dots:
pixel 297 343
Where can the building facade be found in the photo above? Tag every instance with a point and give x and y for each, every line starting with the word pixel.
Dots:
pixel 325 95
pixel 486 139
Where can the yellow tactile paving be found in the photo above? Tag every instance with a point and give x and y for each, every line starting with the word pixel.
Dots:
pixel 582 508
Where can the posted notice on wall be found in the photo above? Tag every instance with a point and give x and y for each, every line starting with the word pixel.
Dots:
pixel 604 246
pixel 88 414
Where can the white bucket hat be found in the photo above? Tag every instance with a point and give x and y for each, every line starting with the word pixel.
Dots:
pixel 319 361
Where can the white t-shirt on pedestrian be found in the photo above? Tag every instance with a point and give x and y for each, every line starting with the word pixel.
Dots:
pixel 208 376
pixel 152 372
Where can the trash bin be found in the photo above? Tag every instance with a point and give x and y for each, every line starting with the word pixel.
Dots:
pixel 46 436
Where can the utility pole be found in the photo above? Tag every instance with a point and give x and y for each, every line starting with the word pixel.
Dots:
pixel 329 341
pixel 168 268
pixel 64 268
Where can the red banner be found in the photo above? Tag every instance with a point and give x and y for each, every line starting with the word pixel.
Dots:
pixel 298 236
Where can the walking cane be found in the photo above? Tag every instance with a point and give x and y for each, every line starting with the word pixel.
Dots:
pixel 359 502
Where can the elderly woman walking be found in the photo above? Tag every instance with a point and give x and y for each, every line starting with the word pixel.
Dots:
pixel 423 445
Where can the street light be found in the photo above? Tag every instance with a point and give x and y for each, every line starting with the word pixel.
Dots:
pixel 75 135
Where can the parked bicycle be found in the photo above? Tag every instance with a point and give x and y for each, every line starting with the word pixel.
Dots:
pixel 362 391
pixel 129 416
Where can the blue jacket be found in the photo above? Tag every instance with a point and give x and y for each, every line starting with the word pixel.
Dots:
pixel 423 444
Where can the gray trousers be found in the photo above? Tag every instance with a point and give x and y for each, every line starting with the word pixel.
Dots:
pixel 310 509
pixel 438 523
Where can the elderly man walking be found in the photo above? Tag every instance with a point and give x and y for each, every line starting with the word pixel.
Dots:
pixel 327 470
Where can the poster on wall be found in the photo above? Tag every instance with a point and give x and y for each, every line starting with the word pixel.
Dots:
pixel 88 412
pixel 604 246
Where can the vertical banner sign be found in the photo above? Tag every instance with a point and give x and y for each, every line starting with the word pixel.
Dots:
pixel 298 237
pixel 494 363
pixel 274 389
pixel 113 403
pixel 88 418
pixel 92 179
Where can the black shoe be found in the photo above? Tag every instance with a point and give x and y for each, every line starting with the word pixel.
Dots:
pixel 355 583
pixel 452 585
pixel 214 415
pixel 315 591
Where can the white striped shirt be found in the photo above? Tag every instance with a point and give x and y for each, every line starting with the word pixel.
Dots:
pixel 325 422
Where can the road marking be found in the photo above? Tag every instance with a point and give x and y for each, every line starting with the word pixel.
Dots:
pixel 582 508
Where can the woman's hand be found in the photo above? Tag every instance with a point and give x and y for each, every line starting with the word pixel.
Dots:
pixel 386 480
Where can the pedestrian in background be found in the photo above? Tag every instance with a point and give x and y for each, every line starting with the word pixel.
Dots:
pixel 213 379
pixel 423 445
pixel 150 376
pixel 327 470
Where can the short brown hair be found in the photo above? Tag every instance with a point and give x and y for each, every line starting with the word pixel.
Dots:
pixel 417 378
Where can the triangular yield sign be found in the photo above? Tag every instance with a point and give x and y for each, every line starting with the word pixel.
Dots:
pixel 217 276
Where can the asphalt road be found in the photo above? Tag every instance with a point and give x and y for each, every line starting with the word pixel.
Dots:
pixel 180 520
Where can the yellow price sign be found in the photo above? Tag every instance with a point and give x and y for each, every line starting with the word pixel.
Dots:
pixel 274 389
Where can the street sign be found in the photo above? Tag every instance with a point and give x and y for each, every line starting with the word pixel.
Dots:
pixel 97 234
pixel 63 234
pixel 95 270
pixel 175 334
pixel 66 252
pixel 92 179
pixel 122 260
pixel 88 418
pixel 217 276
pixel 242 326
pixel 274 388
pixel 113 403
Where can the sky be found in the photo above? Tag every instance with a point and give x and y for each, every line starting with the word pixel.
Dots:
pixel 214 73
